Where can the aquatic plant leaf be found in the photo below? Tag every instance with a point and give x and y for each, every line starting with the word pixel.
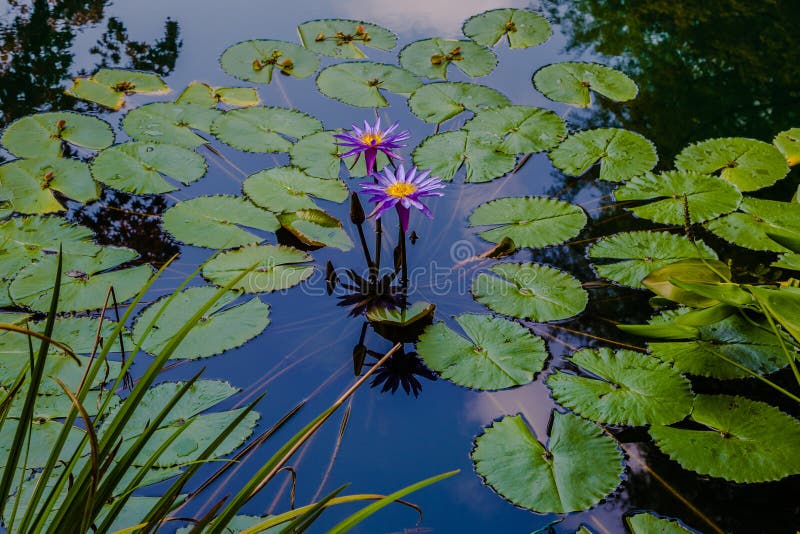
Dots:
pixel 316 228
pixel 630 388
pixel 277 267
pixel 518 129
pixel 762 222
pixel 522 28
pixel 78 333
pixel 643 252
pixel 205 95
pixel 645 523
pixel 576 469
pixel 141 167
pixel 283 189
pixel 496 354
pixel 42 437
pixel 571 83
pixel 27 185
pixel 169 122
pixel 263 129
pixel 225 326
pixel 447 152
pixel 622 154
pixel 783 304
pixel 529 221
pixel 748 164
pixel 789 261
pixel 671 281
pixel 84 281
pixel 342 38
pixel 41 135
pixel 431 57
pixel 108 87
pixel 218 222
pixel 360 83
pixel 788 142
pixel 398 316
pixel 256 60
pixel 441 101
pixel 58 405
pixel 530 291
pixel 707 196
pixel 318 155
pixel 94 91
pixel 65 368
pixel 745 440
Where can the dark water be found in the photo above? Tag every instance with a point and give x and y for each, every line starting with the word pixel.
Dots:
pixel 705 69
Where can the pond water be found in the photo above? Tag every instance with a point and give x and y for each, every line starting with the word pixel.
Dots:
pixel 710 69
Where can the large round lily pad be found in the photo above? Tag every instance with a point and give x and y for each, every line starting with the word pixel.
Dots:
pixel 28 184
pixel 277 267
pixel 344 38
pixel 522 28
pixel 432 57
pixel 316 228
pixel 444 154
pixel 441 101
pixel 40 135
pixel 529 221
pixel 571 83
pixel 763 225
pixel 169 122
pixel 622 154
pixel 257 60
pixel 282 189
pixel 318 155
pixel 360 83
pixel 263 129
pixel 575 470
pixel 497 353
pixel 518 129
pixel 204 94
pixel 631 388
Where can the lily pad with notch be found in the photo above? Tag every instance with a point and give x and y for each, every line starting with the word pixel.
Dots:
pixel 344 38
pixel 360 83
pixel 445 153
pixel 285 189
pixel 622 154
pixel 764 225
pixel 316 228
pixel 41 135
pixel 398 324
pixel 277 267
pixel 440 101
pixel 432 57
pixel 518 129
pixel 108 87
pixel 28 185
pixel 170 122
pixel 203 94
pixel 263 129
pixel 522 28
pixel 573 82
pixel 257 60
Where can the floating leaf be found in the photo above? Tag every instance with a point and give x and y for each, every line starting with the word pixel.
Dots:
pixel 649 524
pixel 522 28
pixel 622 154
pixel 530 291
pixel 28 184
pixel 577 468
pixel 498 353
pixel 277 267
pixel 762 222
pixel 789 261
pixel 223 326
pixel 440 101
pixel 316 228
pixel 168 122
pixel 318 155
pixel 783 304
pixel 518 129
pixel 42 437
pixel 84 280
pixel 217 222
pixel 108 87
pixel 670 281
pixel 255 61
pixel 140 167
pixel 282 189
pixel 571 82
pixel 746 163
pixel 529 221
pixel 400 317
pixel 745 440
pixel 642 253
pixel 788 142
pixel 263 129
pixel 445 153
pixel 631 388
pixel 359 83
pixel 203 94
pixel 431 57
pixel 41 135
pixel 707 196
pixel 94 91
pixel 343 38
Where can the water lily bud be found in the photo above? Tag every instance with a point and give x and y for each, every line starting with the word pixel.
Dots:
pixel 357 215
pixel 331 278
pixel 359 355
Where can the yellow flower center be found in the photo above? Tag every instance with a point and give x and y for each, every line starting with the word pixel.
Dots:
pixel 371 139
pixel 400 189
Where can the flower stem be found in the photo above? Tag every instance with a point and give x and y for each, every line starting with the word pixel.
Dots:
pixel 404 275
pixel 364 246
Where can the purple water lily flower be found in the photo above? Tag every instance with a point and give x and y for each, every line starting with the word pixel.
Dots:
pixel 403 190
pixel 370 140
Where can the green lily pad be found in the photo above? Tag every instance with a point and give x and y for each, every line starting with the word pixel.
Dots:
pixel 642 253
pixel 530 291
pixel 263 129
pixel 789 261
pixel 169 122
pixel 571 83
pixel 431 57
pixel 522 28
pixel 440 101
pixel 649 524
pixel 108 87
pixel 746 163
pixel 518 129
pixel 277 267
pixel 140 167
pixel 58 405
pixel 256 60
pixel 42 437
pixel 400 317
pixel 318 155
pixel 788 142
pixel 203 94
pixel 444 154
pixel 783 304
pixel 283 189
pixel 498 353
pixel 360 83
pixel 576 469
pixel 84 280
pixel 707 196
pixel 93 91
pixel 745 440
pixel 529 221
pixel 28 184
pixel 762 222
pixel 622 154
pixel 316 228
pixel 78 333
pixel 218 222
pixel 630 388
pixel 344 38
pixel 65 368
pixel 41 135
pixel 223 327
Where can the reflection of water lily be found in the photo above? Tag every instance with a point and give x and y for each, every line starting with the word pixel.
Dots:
pixel 370 140
pixel 402 369
pixel 403 190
